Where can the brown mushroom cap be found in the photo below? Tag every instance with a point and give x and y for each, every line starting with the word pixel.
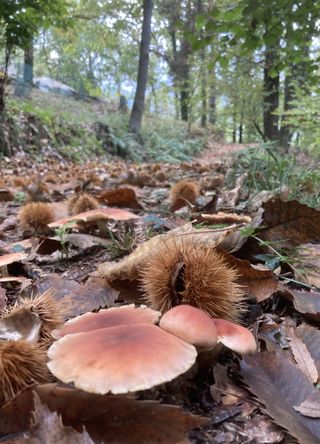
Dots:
pixel 120 359
pixel 192 325
pixel 111 317
pixel 235 337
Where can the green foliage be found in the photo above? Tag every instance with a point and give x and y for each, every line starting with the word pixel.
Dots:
pixel 268 170
pixel 304 118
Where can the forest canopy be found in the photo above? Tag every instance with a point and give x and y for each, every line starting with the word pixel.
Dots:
pixel 250 69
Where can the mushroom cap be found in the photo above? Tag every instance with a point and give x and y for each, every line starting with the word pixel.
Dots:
pixel 111 317
pixel 192 325
pixel 235 337
pixel 120 359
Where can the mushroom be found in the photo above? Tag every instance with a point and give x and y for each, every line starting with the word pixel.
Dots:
pixel 196 327
pixel 235 337
pixel 111 317
pixel 192 325
pixel 120 359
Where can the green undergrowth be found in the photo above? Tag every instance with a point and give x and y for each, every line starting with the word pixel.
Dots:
pixel 295 175
pixel 79 130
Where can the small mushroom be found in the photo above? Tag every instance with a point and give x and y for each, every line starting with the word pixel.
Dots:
pixel 196 327
pixel 235 337
pixel 120 359
pixel 111 317
pixel 192 325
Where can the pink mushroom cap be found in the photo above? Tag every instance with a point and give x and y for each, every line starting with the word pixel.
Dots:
pixel 192 325
pixel 235 337
pixel 120 359
pixel 111 317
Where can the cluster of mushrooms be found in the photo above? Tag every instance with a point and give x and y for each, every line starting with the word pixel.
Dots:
pixel 121 349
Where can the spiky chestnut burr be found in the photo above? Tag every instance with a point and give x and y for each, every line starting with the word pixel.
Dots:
pixel 81 203
pixel 35 217
pixel 185 271
pixel 183 192
pixel 22 363
pixel 50 312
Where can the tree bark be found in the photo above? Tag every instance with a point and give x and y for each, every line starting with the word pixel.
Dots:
pixel 270 97
pixel 28 64
pixel 138 104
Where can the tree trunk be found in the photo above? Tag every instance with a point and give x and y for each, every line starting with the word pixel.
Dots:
pixel 138 104
pixel 4 78
pixel 184 96
pixel 28 64
pixel 270 96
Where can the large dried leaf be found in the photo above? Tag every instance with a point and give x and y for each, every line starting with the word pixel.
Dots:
pixel 107 418
pixel 47 428
pixel 280 386
pixel 306 302
pixel 302 355
pixel 78 299
pixel 129 267
pixel 259 283
pixel 311 337
pixel 309 408
pixel 291 222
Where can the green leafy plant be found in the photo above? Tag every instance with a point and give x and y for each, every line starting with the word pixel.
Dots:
pixel 62 234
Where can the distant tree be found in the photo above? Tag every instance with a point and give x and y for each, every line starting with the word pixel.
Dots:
pixel 279 33
pixel 19 21
pixel 138 104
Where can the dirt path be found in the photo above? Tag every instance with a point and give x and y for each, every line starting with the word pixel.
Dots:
pixel 216 151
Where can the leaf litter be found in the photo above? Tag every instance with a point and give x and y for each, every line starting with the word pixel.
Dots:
pixel 93 258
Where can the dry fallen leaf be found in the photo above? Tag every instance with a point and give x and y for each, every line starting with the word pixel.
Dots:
pixel 302 355
pixel 291 222
pixel 309 408
pixel 107 418
pixel 78 299
pixel 280 386
pixel 311 337
pixel 47 428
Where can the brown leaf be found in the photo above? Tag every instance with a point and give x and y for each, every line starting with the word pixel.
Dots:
pixel 47 428
pixel 311 337
pixel 280 386
pixel 259 283
pixel 301 355
pixel 121 197
pixel 107 418
pixel 78 299
pixel 290 221
pixel 309 408
pixel 306 302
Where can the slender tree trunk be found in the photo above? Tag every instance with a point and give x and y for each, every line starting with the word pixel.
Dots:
pixel 271 85
pixel 185 96
pixel 28 64
pixel 4 78
pixel 138 104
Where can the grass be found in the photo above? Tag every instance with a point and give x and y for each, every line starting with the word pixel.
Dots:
pixel 270 170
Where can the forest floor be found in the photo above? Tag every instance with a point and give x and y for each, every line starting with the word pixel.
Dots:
pixel 94 259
